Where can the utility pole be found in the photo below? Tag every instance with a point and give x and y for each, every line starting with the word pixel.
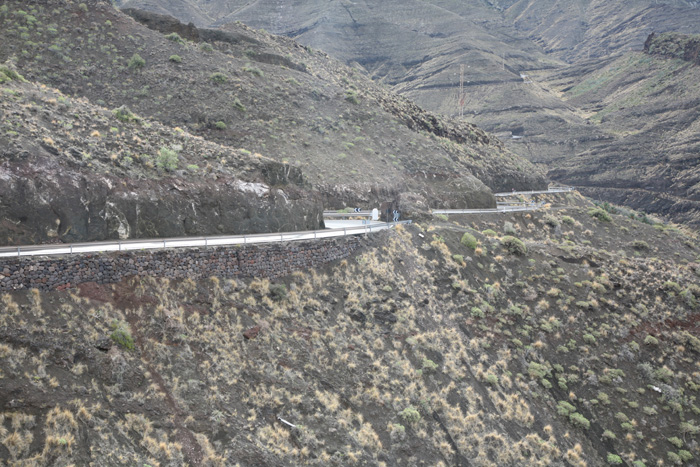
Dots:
pixel 461 91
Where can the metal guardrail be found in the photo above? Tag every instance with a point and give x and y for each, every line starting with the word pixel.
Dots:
pixel 517 208
pixel 346 214
pixel 190 242
pixel 556 189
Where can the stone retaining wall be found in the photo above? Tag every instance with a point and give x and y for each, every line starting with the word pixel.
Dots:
pixel 271 261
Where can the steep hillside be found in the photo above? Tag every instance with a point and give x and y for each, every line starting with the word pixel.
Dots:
pixel 75 172
pixel 508 49
pixel 578 347
pixel 417 48
pixel 648 103
pixel 576 31
pixel 353 140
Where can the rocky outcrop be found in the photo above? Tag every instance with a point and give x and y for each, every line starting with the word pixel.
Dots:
pixel 683 46
pixel 95 183
pixel 42 204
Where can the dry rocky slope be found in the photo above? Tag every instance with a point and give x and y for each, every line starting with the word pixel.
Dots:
pixel 578 346
pixel 509 49
pixel 72 172
pixel 351 140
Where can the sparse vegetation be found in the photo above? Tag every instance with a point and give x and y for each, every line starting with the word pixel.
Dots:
pixel 412 350
pixel 469 240
pixel 121 335
pixel 218 78
pixel 514 245
pixel 175 37
pixel 167 159
pixel 248 68
pixel 136 62
pixel 600 214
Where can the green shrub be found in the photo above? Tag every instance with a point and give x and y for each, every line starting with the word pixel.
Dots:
pixel 551 220
pixel 651 340
pixel 442 217
pixel 351 96
pixel 121 335
pixel 491 379
pixel 469 240
pixel 7 74
pixel 175 37
pixel 136 62
pixel 614 459
pixel 458 258
pixel 514 245
pixel 410 415
pixel 125 115
pixel 205 47
pixel 538 371
pixel 278 292
pixel 167 159
pixel 640 245
pixel 565 409
pixel 568 220
pixel 489 233
pixel 192 167
pixel 600 214
pixel 579 420
pixel 689 428
pixel 238 105
pixel 253 70
pixel 429 365
pixel 218 78
pixel 220 125
pixel 175 59
pixel 677 442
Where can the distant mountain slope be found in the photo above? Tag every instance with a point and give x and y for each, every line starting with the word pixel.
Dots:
pixel 575 31
pixel 649 104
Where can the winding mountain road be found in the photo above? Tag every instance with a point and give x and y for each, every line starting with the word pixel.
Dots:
pixel 190 242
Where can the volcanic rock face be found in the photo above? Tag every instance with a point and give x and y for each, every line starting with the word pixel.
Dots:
pixel 71 207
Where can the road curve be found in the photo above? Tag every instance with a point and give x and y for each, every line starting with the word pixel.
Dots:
pixel 558 189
